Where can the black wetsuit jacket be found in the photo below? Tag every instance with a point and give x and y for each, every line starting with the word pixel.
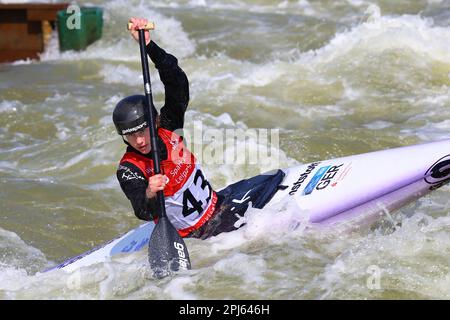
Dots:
pixel 176 85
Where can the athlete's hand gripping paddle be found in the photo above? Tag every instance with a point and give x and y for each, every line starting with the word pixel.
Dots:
pixel 167 251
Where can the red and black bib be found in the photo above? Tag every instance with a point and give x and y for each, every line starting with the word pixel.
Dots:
pixel 190 199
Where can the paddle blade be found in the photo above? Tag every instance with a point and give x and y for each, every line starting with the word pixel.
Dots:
pixel 167 252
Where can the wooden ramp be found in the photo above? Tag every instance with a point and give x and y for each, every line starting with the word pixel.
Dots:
pixel 25 29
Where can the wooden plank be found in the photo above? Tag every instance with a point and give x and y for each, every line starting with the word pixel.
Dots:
pixel 41 15
pixel 35 11
pixel 37 6
pixel 12 55
pixel 11 16
pixel 21 36
pixel 21 28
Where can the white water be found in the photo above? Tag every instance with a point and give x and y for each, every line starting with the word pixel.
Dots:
pixel 336 78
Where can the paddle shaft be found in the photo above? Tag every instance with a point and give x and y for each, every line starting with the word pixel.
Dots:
pixel 151 118
pixel 167 250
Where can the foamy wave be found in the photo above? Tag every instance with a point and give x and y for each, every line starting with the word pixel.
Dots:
pixel 431 131
pixel 279 7
pixel 381 33
pixel 261 222
pixel 261 76
pixel 261 225
pixel 121 277
pixel 378 125
pixel 10 106
pixel 436 100
pixel 11 281
pixel 175 289
pixel 124 75
pixel 120 74
pixel 8 166
pixel 434 113
pixel 206 133
pixel 395 264
pixel 250 269
pixel 221 79
pixel 116 43
pixel 15 253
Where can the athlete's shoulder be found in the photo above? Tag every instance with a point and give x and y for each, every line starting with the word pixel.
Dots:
pixel 130 167
pixel 127 171
pixel 137 162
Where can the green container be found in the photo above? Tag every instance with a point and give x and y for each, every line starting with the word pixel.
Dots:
pixel 79 27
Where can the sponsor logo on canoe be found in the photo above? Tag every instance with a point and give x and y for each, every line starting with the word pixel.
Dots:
pixel 135 245
pixel 322 179
pixel 439 173
pixel 342 175
pixel 303 177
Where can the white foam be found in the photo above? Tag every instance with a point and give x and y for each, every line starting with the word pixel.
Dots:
pixel 110 103
pixel 378 125
pixel 124 75
pixel 10 106
pixel 260 223
pixel 260 76
pixel 250 269
pixel 62 133
pixel 284 7
pixel 8 165
pixel 438 99
pixel 80 157
pixel 110 183
pixel 120 74
pixel 429 132
pixel 324 111
pixel 357 3
pixel 443 125
pixel 196 3
pixel 11 279
pixel 175 289
pixel 57 97
pixel 238 159
pixel 381 33
pixel 117 44
pixel 226 241
pixel 418 241
pixel 17 254
pixel 23 62
pixel 272 224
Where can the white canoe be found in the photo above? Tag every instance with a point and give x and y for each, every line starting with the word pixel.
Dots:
pixel 331 191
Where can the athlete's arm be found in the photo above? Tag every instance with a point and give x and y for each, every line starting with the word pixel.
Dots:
pixel 156 183
pixel 176 87
pixel 172 76
pixel 135 185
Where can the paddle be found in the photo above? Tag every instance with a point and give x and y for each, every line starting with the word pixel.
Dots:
pixel 166 250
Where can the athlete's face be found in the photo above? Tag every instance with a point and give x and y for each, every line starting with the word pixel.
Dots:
pixel 140 140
